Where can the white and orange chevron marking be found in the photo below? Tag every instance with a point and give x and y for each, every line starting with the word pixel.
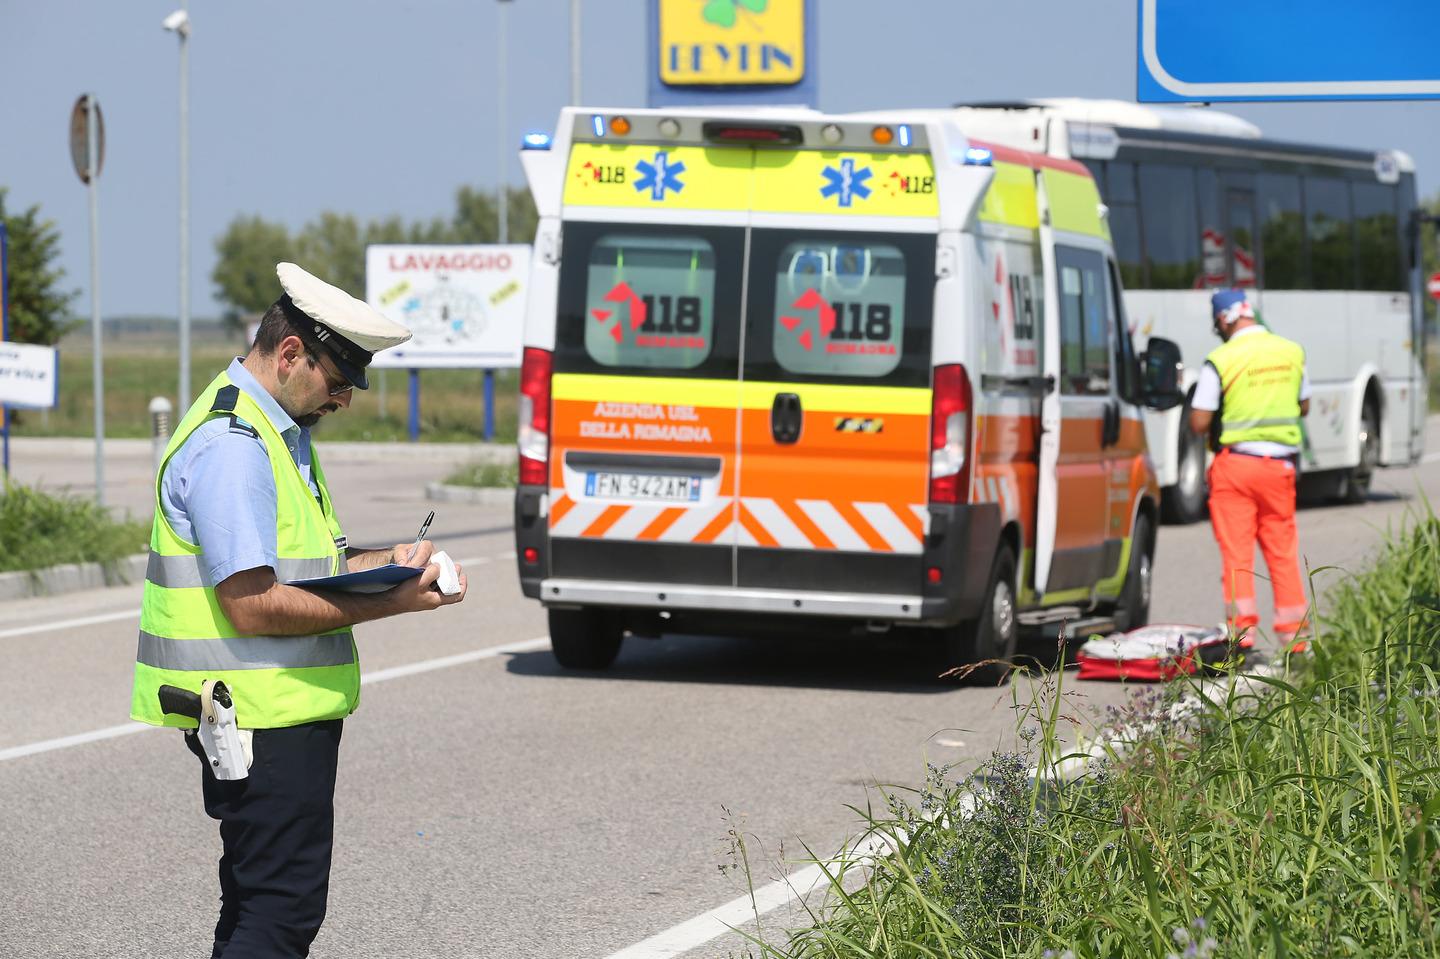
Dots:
pixel 750 521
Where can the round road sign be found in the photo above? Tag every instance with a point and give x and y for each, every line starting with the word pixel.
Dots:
pixel 1433 286
pixel 80 138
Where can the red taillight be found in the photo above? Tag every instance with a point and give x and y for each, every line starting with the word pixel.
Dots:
pixel 950 435
pixel 783 133
pixel 534 432
pixel 532 556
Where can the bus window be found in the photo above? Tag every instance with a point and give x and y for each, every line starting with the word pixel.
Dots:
pixel 1327 208
pixel 1377 237
pixel 1120 182
pixel 1282 233
pixel 1212 230
pixel 1172 238
pixel 1118 188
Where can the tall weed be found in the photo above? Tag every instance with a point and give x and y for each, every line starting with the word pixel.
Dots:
pixel 1294 815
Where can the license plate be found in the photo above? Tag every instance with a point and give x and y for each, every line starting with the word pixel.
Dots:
pixel 674 489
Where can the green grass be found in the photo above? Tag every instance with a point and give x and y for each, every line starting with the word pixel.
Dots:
pixel 504 475
pixel 39 530
pixel 1298 817
pixel 451 401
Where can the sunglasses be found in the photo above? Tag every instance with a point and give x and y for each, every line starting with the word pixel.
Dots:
pixel 345 385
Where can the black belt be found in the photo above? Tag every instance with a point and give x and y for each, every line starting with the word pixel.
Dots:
pixel 1293 458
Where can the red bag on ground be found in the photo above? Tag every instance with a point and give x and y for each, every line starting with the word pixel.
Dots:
pixel 1152 653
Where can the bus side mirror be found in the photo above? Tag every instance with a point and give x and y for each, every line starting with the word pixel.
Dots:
pixel 1160 374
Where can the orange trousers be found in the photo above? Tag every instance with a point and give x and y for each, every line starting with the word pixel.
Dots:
pixel 1253 498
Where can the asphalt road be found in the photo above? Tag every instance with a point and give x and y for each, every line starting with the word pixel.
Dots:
pixel 489 804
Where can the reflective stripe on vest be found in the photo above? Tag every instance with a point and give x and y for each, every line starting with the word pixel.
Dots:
pixel 183 572
pixel 185 637
pixel 245 652
pixel 1260 376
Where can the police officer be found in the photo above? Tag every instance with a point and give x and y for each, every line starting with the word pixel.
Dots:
pixel 1256 381
pixel 243 510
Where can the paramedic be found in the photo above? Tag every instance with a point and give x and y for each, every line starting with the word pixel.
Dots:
pixel 1256 382
pixel 243 509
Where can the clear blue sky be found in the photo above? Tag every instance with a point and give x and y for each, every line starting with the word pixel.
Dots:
pixel 381 107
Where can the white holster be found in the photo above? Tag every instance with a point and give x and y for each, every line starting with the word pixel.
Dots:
pixel 226 746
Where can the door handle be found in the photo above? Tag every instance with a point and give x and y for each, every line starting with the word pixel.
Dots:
pixel 1110 428
pixel 786 417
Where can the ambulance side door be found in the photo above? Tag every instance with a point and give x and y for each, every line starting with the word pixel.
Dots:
pixel 1082 371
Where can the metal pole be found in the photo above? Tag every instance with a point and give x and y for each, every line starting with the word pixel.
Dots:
pixel 489 405
pixel 4 333
pixel 414 406
pixel 96 340
pixel 575 53
pixel 502 194
pixel 184 390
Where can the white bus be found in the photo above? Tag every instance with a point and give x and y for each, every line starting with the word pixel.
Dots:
pixel 1326 238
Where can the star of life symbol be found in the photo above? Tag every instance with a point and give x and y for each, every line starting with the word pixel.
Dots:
pixel 846 182
pixel 660 176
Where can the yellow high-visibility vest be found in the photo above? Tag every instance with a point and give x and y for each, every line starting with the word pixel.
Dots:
pixel 1260 376
pixel 185 637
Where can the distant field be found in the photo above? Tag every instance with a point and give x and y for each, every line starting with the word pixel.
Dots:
pixel 140 367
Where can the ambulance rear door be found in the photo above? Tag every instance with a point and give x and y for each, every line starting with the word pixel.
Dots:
pixel 834 439
pixel 645 391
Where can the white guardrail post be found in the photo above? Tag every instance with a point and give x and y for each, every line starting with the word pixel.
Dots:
pixel 160 410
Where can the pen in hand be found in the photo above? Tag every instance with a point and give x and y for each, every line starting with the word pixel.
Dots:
pixel 420 536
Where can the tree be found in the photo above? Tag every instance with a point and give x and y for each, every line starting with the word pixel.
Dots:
pixel 39 308
pixel 475 216
pixel 333 248
pixel 245 272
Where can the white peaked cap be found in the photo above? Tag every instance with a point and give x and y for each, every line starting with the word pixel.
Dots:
pixel 355 320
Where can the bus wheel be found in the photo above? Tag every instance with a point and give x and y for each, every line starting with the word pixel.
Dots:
pixel 1354 486
pixel 1185 501
pixel 1133 609
pixel 585 638
pixel 983 649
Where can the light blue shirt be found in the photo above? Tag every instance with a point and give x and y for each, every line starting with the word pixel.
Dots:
pixel 218 491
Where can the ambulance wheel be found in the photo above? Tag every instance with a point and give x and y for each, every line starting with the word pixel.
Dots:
pixel 990 640
pixel 1133 609
pixel 1185 501
pixel 585 638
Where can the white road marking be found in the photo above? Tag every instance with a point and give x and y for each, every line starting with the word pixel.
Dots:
pixel 380 676
pixel 135 613
pixel 723 919
pixel 1430 458
pixel 69 623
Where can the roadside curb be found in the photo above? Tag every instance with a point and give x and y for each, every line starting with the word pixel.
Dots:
pixel 478 495
pixel 71 577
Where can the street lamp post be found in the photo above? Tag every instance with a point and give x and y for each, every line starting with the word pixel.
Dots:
pixel 179 23
pixel 575 53
pixel 501 193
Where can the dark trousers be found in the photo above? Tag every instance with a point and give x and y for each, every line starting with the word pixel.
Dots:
pixel 277 827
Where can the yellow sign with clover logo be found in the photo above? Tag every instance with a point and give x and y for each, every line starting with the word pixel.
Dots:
pixel 732 42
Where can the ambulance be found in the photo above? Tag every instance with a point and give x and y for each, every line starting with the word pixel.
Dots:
pixel 787 371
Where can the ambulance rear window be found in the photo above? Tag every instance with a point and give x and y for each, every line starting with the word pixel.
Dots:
pixel 650 301
pixel 839 309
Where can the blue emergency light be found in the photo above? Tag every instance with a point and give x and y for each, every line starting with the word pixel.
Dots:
pixel 978 156
pixel 599 124
pixel 535 141
pixel 904 134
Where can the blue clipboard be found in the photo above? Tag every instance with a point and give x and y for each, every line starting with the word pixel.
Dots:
pixel 375 580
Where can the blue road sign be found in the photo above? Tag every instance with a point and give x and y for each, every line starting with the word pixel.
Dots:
pixel 1287 50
